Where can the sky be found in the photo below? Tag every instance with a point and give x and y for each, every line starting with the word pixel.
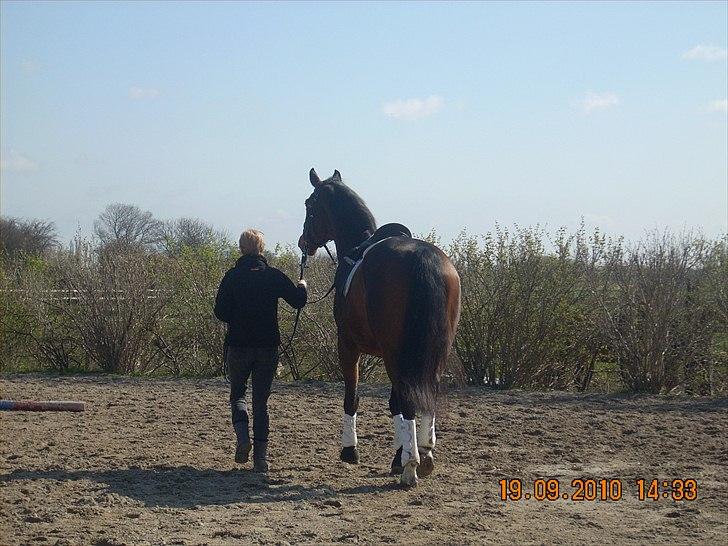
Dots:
pixel 441 116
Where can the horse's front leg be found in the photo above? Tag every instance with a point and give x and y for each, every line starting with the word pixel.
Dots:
pixel 349 362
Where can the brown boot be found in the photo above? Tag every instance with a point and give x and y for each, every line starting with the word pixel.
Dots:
pixel 260 457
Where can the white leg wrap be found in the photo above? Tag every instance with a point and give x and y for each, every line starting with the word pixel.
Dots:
pixel 348 431
pixel 408 436
pixel 426 433
pixel 397 421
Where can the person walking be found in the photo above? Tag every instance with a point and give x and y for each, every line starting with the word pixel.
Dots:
pixel 247 301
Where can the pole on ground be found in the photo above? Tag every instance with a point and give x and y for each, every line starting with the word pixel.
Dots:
pixel 34 405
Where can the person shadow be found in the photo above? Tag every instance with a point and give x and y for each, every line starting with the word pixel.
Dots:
pixel 183 486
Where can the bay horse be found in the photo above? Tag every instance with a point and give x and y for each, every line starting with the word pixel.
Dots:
pixel 402 304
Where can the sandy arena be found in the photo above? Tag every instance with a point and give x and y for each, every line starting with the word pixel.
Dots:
pixel 150 462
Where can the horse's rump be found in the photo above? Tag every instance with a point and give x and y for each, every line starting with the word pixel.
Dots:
pixel 409 298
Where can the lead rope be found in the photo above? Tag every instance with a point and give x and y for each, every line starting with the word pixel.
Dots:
pixel 284 348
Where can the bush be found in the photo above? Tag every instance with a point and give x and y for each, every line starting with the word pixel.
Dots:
pixel 537 311
pixel 117 305
pixel 525 318
pixel 654 310
pixel 189 337
pixel 35 329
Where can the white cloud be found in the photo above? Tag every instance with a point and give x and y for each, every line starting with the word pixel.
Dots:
pixel 705 53
pixel 14 161
pixel 719 106
pixel 412 109
pixel 599 101
pixel 143 93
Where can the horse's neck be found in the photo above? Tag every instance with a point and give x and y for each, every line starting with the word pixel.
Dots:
pixel 346 238
pixel 344 245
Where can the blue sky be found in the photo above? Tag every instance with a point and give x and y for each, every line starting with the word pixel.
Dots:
pixel 444 116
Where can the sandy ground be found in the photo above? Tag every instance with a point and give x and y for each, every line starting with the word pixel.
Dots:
pixel 150 462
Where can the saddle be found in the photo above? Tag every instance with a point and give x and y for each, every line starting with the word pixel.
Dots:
pixel 350 263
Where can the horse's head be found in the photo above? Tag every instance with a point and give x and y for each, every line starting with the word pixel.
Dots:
pixel 318 228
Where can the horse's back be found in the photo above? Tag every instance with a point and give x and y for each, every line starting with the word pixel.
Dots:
pixel 404 258
pixel 399 270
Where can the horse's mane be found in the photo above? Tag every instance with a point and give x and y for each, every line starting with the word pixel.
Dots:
pixel 349 211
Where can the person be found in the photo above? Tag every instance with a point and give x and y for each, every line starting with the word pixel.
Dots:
pixel 247 301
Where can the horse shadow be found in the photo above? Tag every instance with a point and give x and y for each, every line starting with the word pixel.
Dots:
pixel 188 487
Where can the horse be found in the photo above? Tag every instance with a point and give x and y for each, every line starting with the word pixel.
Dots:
pixel 401 303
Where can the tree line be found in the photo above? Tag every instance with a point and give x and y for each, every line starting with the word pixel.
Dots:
pixel 539 310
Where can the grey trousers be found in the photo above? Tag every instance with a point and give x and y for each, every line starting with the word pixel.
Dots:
pixel 261 363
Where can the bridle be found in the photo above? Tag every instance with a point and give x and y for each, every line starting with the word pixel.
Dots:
pixel 304 258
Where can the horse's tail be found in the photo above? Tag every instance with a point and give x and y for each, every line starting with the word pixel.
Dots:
pixel 424 347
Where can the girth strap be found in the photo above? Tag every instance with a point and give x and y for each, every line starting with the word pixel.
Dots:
pixel 350 277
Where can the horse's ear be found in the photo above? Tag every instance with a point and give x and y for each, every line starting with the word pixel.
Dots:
pixel 336 176
pixel 314 178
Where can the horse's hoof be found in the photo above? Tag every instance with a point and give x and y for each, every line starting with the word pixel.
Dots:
pixel 350 455
pixel 427 464
pixel 397 468
pixel 409 475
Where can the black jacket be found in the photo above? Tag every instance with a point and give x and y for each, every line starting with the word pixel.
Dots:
pixel 248 301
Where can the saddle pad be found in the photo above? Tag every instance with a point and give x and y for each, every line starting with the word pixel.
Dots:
pixel 357 264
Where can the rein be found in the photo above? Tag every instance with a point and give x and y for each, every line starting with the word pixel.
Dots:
pixel 302 267
pixel 333 261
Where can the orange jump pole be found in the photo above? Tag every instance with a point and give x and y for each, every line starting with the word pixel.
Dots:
pixel 33 405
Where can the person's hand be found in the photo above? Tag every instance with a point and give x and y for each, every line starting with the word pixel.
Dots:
pixel 302 282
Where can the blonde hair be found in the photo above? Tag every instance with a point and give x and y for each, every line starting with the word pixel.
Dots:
pixel 251 242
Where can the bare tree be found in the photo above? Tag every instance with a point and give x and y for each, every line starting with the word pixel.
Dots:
pixel 191 233
pixel 28 236
pixel 124 226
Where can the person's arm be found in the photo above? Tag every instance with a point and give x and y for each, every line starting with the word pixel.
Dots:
pixel 294 294
pixel 224 299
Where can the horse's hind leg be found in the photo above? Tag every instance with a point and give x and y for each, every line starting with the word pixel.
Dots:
pixel 396 468
pixel 408 436
pixel 426 443
pixel 349 363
